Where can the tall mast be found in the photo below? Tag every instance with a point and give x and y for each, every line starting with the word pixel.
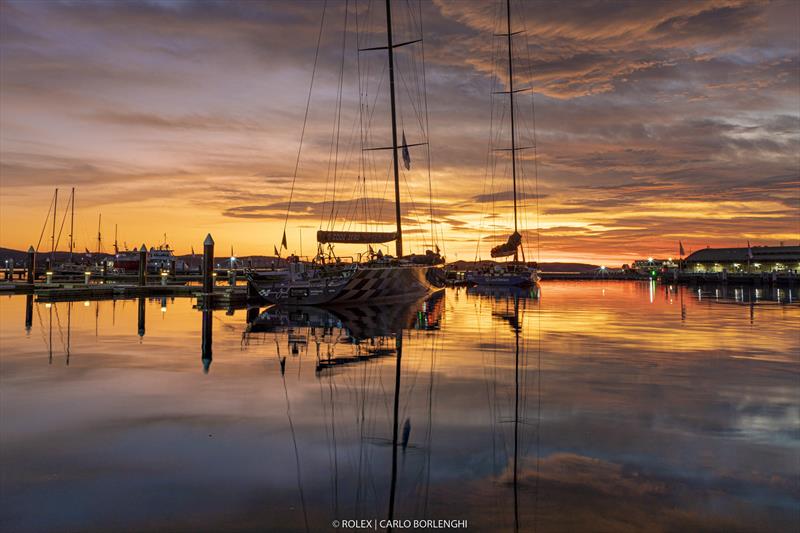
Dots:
pixel 99 219
pixel 71 224
pixel 53 234
pixel 116 248
pixel 390 49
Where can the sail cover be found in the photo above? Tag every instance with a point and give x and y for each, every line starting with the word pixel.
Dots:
pixel 355 237
pixel 509 247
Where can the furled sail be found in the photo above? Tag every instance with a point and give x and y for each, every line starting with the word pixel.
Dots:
pixel 509 247
pixel 355 237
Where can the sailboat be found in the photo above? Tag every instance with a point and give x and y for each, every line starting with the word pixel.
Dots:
pixel 381 278
pixel 514 273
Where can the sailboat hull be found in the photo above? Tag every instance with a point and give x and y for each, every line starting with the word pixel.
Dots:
pixel 383 284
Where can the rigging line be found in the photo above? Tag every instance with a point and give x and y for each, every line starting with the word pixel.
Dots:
pixel 489 160
pixel 535 144
pixel 361 163
pixel 296 451
pixel 44 226
pixel 305 117
pixel 338 115
pixel 427 128
pixel 63 221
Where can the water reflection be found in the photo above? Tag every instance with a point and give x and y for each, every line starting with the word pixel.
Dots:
pixel 621 404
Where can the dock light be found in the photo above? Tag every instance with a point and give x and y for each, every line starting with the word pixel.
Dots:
pixel 164 277
pixel 649 259
pixel 757 265
pixel 86 276
pixel 602 267
pixel 49 276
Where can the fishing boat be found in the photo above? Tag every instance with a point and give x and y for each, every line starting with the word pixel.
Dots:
pixel 514 273
pixel 373 276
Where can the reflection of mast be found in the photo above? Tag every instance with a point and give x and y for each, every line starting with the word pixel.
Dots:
pixel 392 490
pixel 50 339
pixel 282 362
pixel 69 327
pixel 516 409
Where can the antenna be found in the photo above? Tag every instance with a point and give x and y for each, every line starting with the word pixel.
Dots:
pixel 72 224
pixel 53 235
pixel 99 239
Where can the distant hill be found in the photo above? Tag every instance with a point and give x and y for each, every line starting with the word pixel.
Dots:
pixel 544 267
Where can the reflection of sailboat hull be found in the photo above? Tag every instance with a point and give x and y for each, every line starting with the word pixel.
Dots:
pixel 503 279
pixel 361 321
pixel 359 284
pixel 505 292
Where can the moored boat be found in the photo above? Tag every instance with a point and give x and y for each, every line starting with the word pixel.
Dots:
pixel 381 277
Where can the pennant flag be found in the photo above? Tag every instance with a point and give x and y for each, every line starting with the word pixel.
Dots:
pixel 680 246
pixel 277 253
pixel 406 155
pixel 283 241
pixel 749 251
pixel 192 252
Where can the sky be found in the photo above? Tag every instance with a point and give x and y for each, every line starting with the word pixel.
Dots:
pixel 655 122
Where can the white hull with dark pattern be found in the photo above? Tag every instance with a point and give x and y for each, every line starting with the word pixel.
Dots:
pixel 358 283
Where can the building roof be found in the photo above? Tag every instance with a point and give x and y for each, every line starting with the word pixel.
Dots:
pixel 766 254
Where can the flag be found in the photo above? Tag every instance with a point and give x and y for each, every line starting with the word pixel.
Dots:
pixel 680 248
pixel 749 251
pixel 277 253
pixel 406 155
pixel 283 241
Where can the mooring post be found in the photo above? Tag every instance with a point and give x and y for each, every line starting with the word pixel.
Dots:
pixel 31 265
pixel 143 266
pixel 208 265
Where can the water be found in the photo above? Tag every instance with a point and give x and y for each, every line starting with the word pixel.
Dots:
pixel 598 406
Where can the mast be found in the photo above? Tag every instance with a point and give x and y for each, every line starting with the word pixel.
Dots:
pixel 116 248
pixel 513 131
pixel 53 234
pixel 99 219
pixel 71 224
pixel 390 49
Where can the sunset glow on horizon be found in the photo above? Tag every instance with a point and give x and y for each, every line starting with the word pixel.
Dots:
pixel 655 123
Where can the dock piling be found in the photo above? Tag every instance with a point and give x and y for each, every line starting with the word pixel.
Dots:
pixel 208 265
pixel 31 265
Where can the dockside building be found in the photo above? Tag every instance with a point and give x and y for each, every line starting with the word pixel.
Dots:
pixel 754 259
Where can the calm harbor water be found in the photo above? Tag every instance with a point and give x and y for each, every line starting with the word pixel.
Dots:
pixel 597 406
